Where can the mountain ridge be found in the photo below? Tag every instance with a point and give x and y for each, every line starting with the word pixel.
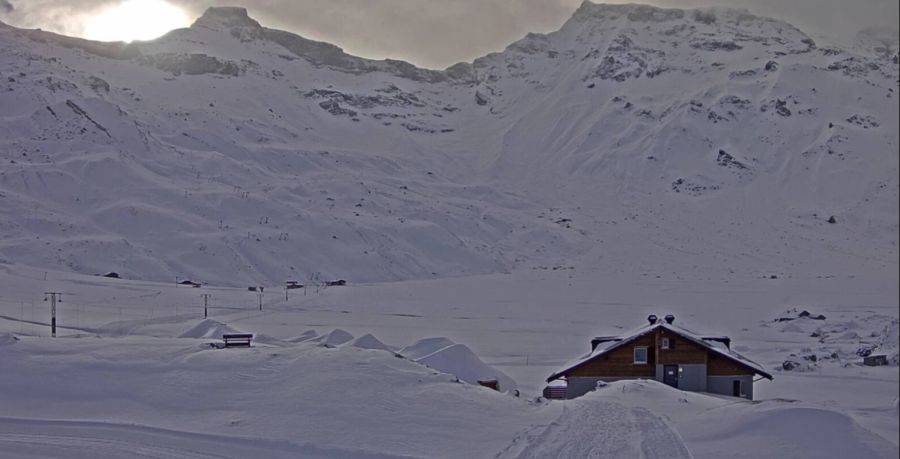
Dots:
pixel 638 139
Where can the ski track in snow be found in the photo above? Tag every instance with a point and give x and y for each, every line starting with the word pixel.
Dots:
pixel 599 429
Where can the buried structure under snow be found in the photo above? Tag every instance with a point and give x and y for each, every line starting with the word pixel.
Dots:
pixel 668 353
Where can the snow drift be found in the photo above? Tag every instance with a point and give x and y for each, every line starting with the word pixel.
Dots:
pixel 369 341
pixel 334 338
pixel 208 328
pixel 460 361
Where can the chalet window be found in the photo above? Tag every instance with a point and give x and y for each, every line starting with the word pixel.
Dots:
pixel 640 355
pixel 665 343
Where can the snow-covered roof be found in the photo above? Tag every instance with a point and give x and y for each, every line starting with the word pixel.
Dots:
pixel 712 343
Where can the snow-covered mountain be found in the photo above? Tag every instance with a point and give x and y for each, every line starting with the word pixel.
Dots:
pixel 655 141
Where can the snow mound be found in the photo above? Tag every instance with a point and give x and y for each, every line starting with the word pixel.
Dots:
pixel 791 431
pixel 713 426
pixel 460 361
pixel 425 346
pixel 7 339
pixel 208 328
pixel 369 341
pixel 305 336
pixel 335 338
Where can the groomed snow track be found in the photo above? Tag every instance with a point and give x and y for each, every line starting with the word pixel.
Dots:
pixel 600 429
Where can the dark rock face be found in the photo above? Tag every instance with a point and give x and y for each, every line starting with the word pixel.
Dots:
pixel 693 188
pixel 98 84
pixel 716 45
pixel 226 17
pixel 481 99
pixel 191 64
pixel 726 160
pixel 462 71
pixel 864 121
pixel 335 108
pixel 810 315
pixel 781 108
pixel 391 96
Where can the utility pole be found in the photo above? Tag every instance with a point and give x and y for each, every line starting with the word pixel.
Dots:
pixel 259 294
pixel 54 297
pixel 205 304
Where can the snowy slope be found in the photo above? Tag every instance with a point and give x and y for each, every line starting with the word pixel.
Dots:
pixel 635 139
pixel 117 165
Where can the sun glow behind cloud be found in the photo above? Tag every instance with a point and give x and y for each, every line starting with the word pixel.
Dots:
pixel 131 20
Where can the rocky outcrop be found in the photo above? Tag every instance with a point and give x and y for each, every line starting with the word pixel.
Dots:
pixel 191 64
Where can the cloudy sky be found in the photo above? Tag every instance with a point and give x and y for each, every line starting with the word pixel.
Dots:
pixel 438 33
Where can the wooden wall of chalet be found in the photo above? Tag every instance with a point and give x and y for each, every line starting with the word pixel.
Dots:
pixel 722 366
pixel 620 362
pixel 684 352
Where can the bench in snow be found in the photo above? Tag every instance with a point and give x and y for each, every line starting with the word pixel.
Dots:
pixel 237 339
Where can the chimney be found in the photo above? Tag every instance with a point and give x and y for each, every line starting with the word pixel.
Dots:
pixel 652 319
pixel 670 318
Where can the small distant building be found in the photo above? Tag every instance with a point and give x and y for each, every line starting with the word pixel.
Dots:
pixel 668 353
pixel 875 360
pixel 292 285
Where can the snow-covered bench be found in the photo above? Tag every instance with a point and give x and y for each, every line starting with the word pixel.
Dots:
pixel 237 339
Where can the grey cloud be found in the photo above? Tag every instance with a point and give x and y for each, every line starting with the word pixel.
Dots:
pixel 438 33
pixel 62 16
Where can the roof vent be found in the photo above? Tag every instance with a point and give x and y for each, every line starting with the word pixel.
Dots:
pixel 670 318
pixel 652 319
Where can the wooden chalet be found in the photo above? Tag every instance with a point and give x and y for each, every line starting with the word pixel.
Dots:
pixel 668 353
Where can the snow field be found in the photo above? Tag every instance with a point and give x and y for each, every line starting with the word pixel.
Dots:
pixel 311 396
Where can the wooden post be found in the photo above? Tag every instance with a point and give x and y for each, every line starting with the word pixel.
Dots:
pixel 53 299
pixel 205 304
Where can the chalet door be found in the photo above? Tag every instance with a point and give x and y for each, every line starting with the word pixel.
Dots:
pixel 736 388
pixel 670 375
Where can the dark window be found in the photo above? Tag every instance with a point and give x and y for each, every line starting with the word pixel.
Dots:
pixel 641 355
